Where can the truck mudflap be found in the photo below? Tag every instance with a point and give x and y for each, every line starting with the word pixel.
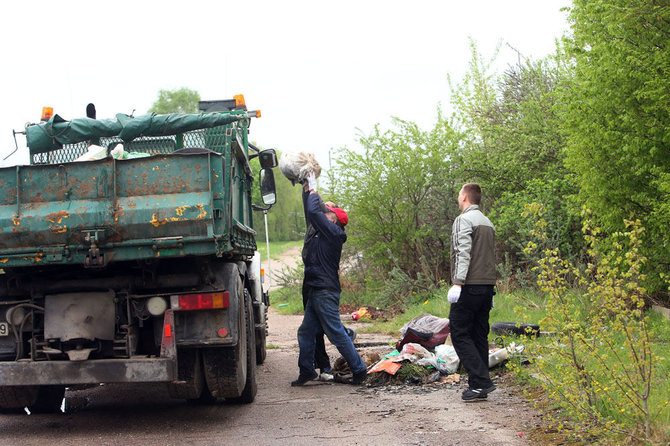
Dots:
pixel 31 373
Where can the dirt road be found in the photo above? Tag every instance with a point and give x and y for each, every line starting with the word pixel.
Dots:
pixel 316 414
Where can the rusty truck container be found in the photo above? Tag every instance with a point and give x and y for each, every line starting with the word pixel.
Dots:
pixel 140 266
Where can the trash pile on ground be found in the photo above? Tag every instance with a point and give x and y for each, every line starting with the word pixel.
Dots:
pixel 421 356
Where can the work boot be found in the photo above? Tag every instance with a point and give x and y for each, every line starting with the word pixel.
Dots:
pixel 302 379
pixel 359 378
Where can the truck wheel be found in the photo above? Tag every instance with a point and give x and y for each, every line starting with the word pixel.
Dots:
pixel 225 368
pixel 250 385
pixel 15 398
pixel 38 399
pixel 49 399
pixel 189 370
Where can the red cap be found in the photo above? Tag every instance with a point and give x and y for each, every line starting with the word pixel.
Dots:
pixel 341 215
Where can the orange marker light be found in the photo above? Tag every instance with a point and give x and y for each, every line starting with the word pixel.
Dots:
pixel 239 100
pixel 47 113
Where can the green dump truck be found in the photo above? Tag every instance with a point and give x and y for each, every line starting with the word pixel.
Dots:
pixel 128 254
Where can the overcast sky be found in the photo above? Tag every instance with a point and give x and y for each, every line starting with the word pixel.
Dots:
pixel 318 71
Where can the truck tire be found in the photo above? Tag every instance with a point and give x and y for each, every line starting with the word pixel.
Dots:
pixel 15 398
pixel 38 399
pixel 512 328
pixel 225 368
pixel 49 399
pixel 189 371
pixel 250 386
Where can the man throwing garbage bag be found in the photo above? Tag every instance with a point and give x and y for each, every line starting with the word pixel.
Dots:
pixel 322 286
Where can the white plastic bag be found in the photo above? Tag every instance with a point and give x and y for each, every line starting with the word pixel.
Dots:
pixel 94 153
pixel 296 166
pixel 447 357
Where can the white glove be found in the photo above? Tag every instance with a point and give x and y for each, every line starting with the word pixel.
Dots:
pixel 454 294
pixel 311 181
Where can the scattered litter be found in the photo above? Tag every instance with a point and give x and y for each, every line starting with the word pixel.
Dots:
pixel 427 362
pixel 386 365
pixel 497 355
pixel 362 313
pixel 451 379
pixel 446 354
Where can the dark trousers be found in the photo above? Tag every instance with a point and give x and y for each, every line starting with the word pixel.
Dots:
pixel 469 326
pixel 321 359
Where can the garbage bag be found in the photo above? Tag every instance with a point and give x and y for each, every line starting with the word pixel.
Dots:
pixel 446 355
pixel 296 166
pixel 427 330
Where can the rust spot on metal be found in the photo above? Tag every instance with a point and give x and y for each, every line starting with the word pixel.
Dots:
pixel 200 208
pixel 117 212
pixel 158 219
pixel 56 219
pixel 132 204
pixel 203 211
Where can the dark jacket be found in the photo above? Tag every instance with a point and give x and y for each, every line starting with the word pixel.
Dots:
pixel 322 261
pixel 309 229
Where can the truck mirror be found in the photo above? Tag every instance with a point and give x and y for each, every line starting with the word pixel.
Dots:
pixel 268 158
pixel 267 181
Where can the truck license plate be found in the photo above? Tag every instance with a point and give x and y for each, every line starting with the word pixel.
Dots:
pixel 4 329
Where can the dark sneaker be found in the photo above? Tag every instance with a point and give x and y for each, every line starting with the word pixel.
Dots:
pixel 490 389
pixel 359 378
pixel 471 394
pixel 302 379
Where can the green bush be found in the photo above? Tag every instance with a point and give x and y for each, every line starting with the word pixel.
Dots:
pixel 601 367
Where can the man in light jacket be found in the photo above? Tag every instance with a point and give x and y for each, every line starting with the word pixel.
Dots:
pixel 473 275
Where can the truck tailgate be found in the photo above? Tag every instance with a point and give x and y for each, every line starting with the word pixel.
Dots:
pixel 126 209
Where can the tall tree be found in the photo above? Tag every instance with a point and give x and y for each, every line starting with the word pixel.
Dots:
pixel 180 100
pixel 617 116
pixel 401 196
pixel 514 149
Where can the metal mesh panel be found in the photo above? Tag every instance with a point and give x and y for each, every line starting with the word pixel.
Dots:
pixel 212 138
